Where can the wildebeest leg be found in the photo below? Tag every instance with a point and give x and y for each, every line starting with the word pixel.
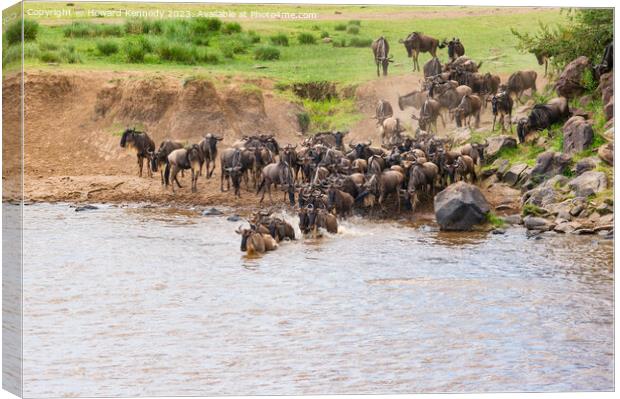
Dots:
pixel 194 178
pixel 477 119
pixel 510 121
pixel 222 182
pixel 377 62
pixel 140 163
pixel 212 169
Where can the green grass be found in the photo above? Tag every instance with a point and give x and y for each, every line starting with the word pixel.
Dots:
pixel 487 39
pixel 533 210
pixel 279 39
pixel 266 53
pixel 334 114
pixel 495 220
pixel 306 38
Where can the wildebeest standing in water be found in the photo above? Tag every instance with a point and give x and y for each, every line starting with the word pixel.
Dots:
pixel 142 144
pixel 417 43
pixel 208 147
pixel 521 81
pixel 160 158
pixel 183 158
pixel 543 116
pixel 254 242
pixel 381 51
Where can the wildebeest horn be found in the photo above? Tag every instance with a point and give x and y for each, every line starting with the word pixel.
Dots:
pixel 369 143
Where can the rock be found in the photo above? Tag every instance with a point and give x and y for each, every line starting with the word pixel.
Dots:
pixel 497 143
pixel 461 135
pixel 569 83
pixel 584 231
pixel 501 166
pixel 609 125
pixel 609 134
pixel 549 164
pixel 511 177
pixel 606 153
pixel 588 183
pixel 562 214
pixel 86 208
pixel 546 193
pixel 606 219
pixel 578 134
pixel 575 211
pixel 585 100
pixel 512 219
pixel 504 207
pixel 488 182
pixel 460 206
pixel 586 164
pixel 488 172
pixel 537 223
pixel 567 227
pixel 604 209
pixel 212 212
pixel 498 231
pixel 608 109
pixel 327 40
pixel 525 176
pixel 233 218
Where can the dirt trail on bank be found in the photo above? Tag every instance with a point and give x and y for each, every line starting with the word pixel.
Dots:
pixel 73 121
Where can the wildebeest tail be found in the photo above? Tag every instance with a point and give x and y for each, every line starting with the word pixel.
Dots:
pixel 261 185
pixel 167 173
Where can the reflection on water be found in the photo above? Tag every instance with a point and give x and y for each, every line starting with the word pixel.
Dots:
pixel 133 301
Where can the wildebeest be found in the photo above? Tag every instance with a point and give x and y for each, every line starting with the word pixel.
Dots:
pixel 430 111
pixel 160 157
pixel 465 169
pixel 290 156
pixel 607 63
pixel 142 144
pixel 383 111
pixel 362 150
pixel 543 116
pixel 391 130
pixel 470 105
pixel 208 147
pixel 339 200
pixel 455 48
pixel 277 173
pixel 276 227
pixel 380 185
pixel 180 159
pixel 475 151
pixel 330 139
pixel 422 177
pixel 542 57
pixel 417 43
pixel 432 67
pixel 414 99
pixel 232 168
pixel 501 104
pixel 521 81
pixel 254 242
pixel 381 51
pixel 449 94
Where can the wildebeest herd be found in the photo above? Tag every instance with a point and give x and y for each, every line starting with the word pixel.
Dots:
pixel 325 179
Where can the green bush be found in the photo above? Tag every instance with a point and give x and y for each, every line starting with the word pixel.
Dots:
pixel 231 27
pixel 136 48
pixel 266 53
pixel 324 34
pixel 151 58
pixel 44 46
pixel 355 22
pixel 203 26
pixel 69 55
pixel 107 47
pixel 342 42
pixel 14 53
pixel 50 56
pixel 88 29
pixel 207 57
pixel 306 38
pixel 177 52
pixel 253 37
pixel 232 47
pixel 360 42
pixel 303 119
pixel 13 32
pixel 279 39
pixel 353 30
pixel 139 26
pixel 340 27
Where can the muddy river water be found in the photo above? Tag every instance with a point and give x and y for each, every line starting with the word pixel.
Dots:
pixel 141 301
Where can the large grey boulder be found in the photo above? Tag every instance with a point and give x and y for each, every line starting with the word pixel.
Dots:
pixel 537 223
pixel 569 84
pixel 578 134
pixel 545 194
pixel 588 183
pixel 460 206
pixel 549 164
pixel 497 143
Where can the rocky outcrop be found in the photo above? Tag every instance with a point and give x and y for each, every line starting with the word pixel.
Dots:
pixel 606 87
pixel 537 223
pixel 460 207
pixel 569 84
pixel 578 134
pixel 512 176
pixel 586 164
pixel 548 164
pixel 545 194
pixel 588 183
pixel 497 143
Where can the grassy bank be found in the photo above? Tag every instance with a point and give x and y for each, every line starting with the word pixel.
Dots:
pixel 285 50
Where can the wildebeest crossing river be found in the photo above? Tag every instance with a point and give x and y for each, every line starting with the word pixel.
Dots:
pixel 160 301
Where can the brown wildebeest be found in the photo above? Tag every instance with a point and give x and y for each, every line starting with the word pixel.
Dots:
pixel 422 177
pixel 471 105
pixel 183 158
pixel 417 43
pixel 142 144
pixel 208 147
pixel 455 48
pixel 160 157
pixel 543 116
pixel 521 81
pixel 449 94
pixel 414 99
pixel 231 166
pixel 430 111
pixel 432 67
pixel 465 169
pixel 383 111
pixel 501 104
pixel 277 173
pixel 340 200
pixel 383 184
pixel 381 51
pixel 254 242
pixel 391 130
pixel 475 151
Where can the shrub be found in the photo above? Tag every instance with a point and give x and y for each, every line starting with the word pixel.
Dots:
pixel 232 47
pixel 88 29
pixel 207 57
pixel 136 48
pixel 107 47
pixel 303 119
pixel 69 55
pixel 266 53
pixel 253 37
pixel 324 34
pixel 178 52
pixel 49 56
pixel 353 30
pixel 279 39
pixel 306 38
pixel 43 46
pixel 340 27
pixel 342 42
pixel 203 26
pixel 139 26
pixel 355 22
pixel 151 58
pixel 231 27
pixel 360 42
pixel 14 53
pixel 13 33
